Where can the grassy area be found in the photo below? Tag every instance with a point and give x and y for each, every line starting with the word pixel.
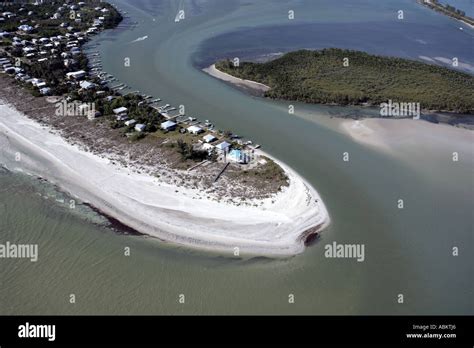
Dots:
pixel 321 77
pixel 270 173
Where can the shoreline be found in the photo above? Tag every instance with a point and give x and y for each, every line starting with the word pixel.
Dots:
pixel 255 88
pixel 440 9
pixel 174 214
pixel 258 89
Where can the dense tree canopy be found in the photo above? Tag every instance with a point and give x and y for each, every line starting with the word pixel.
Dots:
pixel 322 77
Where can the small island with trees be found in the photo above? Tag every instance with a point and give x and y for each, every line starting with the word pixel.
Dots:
pixel 345 77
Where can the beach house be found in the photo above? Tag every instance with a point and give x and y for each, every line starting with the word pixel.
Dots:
pixel 168 126
pixel 209 138
pixel 87 85
pixel 237 156
pixel 76 75
pixel 223 147
pixel 120 110
pixel 195 130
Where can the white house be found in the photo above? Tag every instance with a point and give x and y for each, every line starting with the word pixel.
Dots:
pixel 140 127
pixel 76 75
pixel 87 85
pixel 194 130
pixel 120 110
pixel 223 147
pixel 130 122
pixel 237 156
pixel 122 117
pixel 209 138
pixel 168 125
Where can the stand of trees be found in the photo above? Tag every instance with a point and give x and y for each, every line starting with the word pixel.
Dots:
pixel 344 77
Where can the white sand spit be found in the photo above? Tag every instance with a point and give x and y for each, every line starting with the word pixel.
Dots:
pixel 276 228
pixel 256 86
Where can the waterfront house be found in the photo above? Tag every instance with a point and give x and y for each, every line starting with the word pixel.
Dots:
pixel 87 85
pixel 76 75
pixel 223 147
pixel 168 126
pixel 237 156
pixel 140 127
pixel 123 117
pixel 195 130
pixel 120 110
pixel 209 138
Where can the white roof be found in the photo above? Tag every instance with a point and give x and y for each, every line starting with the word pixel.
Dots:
pixel 120 110
pixel 222 146
pixel 168 124
pixel 208 138
pixel 194 129
pixel 76 73
pixel 86 84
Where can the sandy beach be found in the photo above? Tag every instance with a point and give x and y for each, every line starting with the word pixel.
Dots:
pixel 394 135
pixel 256 87
pixel 276 228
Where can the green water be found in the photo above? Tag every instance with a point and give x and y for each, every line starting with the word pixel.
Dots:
pixel 406 251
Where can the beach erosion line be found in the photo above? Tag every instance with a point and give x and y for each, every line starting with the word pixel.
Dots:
pixel 278 227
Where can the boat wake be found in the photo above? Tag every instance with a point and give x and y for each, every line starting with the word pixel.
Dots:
pixel 143 38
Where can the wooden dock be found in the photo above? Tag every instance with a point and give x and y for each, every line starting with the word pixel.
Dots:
pixel 221 172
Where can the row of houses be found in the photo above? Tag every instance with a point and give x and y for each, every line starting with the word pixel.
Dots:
pixel 211 143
